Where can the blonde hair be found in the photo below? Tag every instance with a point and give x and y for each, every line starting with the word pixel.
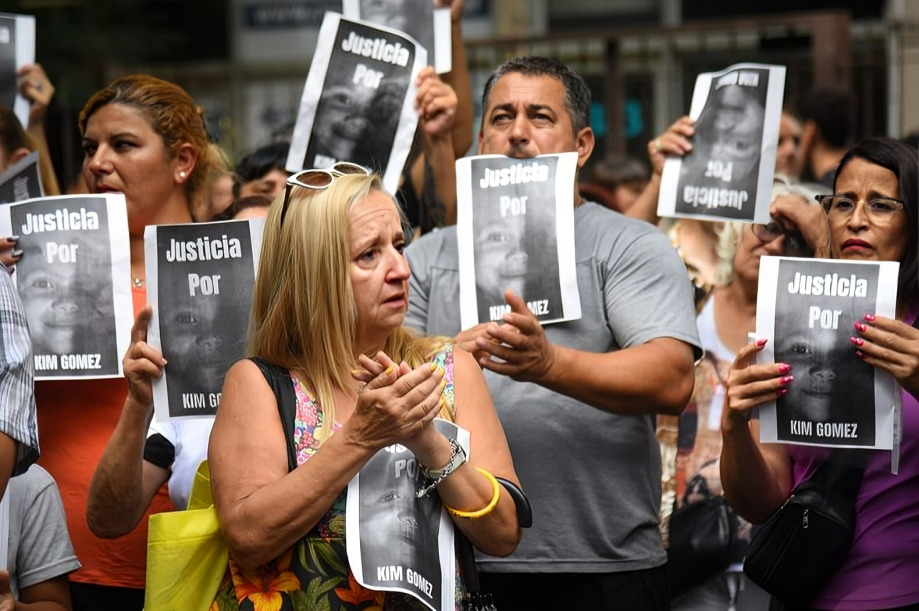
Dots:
pixel 303 313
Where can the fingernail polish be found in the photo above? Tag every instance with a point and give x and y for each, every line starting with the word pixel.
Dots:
pixel 786 380
pixel 17 253
pixel 857 341
pixel 388 370
pixel 781 392
pixel 761 342
pixel 860 354
pixel 860 326
pixel 869 317
pixel 355 372
pixel 14 238
pixel 433 366
pixel 784 367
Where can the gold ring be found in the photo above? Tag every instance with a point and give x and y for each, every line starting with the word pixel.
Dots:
pixel 657 145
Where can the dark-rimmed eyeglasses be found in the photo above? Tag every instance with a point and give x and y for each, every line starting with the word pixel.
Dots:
pixel 794 245
pixel 318 179
pixel 879 209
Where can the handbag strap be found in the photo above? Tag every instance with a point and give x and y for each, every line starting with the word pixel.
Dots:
pixel 283 386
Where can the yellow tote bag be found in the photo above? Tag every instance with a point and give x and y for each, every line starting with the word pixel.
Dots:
pixel 186 553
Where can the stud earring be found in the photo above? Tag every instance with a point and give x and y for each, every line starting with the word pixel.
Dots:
pixel 181 174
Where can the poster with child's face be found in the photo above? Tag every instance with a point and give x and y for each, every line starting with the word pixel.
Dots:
pixel 72 279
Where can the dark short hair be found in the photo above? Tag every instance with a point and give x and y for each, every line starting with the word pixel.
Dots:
pixel 577 93
pixel 833 111
pixel 12 135
pixel 903 161
pixel 262 160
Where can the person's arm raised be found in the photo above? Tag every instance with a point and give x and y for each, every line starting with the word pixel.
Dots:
pixel 757 478
pixel 674 141
pixel 458 79
pixel 35 86
pixel 124 484
pixel 437 107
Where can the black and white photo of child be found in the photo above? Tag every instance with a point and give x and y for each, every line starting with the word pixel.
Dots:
pixel 358 112
pixel 398 531
pixel 515 245
pixel 721 174
pixel 64 279
pixel 830 383
pixel 205 276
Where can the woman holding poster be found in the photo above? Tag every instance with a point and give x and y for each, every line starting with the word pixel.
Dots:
pixel 328 306
pixel 872 215
pixel 143 137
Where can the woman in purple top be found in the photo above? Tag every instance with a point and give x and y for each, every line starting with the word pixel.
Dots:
pixel 871 216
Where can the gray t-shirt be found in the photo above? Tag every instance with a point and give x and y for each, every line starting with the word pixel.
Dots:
pixel 592 477
pixel 39 546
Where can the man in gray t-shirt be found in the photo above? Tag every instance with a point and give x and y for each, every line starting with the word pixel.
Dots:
pixel 577 399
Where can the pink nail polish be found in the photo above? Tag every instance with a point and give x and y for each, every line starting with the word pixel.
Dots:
pixel 860 326
pixel 869 317
pixel 784 367
pixel 860 354
pixel 786 380
pixel 781 392
pixel 761 342
pixel 857 341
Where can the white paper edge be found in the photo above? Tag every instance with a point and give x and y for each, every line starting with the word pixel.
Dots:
pixel 25 54
pixel 884 384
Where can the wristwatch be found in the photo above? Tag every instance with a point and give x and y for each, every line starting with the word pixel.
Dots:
pixel 435 476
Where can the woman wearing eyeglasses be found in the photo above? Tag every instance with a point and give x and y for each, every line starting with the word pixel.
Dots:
pixel 145 138
pixel 328 306
pixel 871 216
pixel 724 319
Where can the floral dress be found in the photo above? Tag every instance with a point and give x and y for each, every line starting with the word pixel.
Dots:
pixel 314 573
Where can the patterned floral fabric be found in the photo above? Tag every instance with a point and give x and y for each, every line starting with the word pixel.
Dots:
pixel 314 575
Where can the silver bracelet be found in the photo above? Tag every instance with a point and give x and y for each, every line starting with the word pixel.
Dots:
pixel 435 476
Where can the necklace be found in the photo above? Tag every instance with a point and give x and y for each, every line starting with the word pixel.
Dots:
pixel 138 283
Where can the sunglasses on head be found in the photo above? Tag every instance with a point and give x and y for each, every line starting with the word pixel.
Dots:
pixel 318 179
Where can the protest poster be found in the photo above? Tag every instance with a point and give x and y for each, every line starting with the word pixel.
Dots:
pixel 515 230
pixel 419 19
pixel 358 103
pixel 200 278
pixel 806 308
pixel 728 174
pixel 74 279
pixel 17 49
pixel 406 542
pixel 22 180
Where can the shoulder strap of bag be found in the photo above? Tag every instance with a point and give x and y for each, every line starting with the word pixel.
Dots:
pixel 282 385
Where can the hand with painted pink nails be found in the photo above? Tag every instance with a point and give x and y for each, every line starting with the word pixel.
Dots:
pixel 749 385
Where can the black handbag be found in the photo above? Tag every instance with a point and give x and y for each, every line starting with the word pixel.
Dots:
pixel 803 543
pixel 701 541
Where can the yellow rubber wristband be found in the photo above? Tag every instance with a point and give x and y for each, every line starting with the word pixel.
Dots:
pixel 484 511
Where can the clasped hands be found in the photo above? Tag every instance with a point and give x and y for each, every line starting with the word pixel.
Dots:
pixel 397 403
